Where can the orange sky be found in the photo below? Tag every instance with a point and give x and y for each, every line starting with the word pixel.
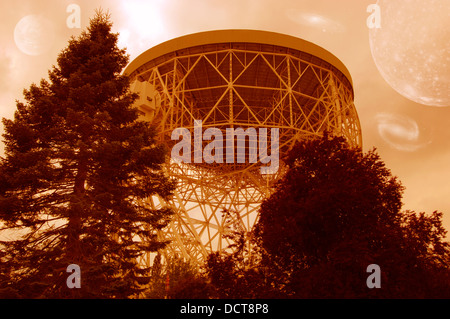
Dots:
pixel 413 139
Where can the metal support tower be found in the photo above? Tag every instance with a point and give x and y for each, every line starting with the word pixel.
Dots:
pixel 232 79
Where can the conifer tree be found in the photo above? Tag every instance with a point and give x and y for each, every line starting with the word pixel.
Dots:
pixel 78 167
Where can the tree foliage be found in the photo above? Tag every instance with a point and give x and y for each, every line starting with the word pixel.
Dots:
pixel 236 272
pixel 177 279
pixel 78 166
pixel 336 211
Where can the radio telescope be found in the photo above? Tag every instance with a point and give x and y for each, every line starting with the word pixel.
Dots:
pixel 235 79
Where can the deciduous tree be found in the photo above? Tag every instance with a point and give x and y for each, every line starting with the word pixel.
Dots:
pixel 338 210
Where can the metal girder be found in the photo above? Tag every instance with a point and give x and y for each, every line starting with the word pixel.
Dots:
pixel 231 88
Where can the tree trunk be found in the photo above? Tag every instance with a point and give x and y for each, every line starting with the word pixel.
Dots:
pixel 76 207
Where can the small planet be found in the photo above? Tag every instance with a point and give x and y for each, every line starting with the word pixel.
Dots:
pixel 411 49
pixel 34 35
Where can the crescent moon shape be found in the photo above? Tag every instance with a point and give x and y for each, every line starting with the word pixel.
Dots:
pixel 400 132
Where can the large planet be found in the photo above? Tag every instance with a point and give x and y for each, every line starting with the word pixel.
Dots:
pixel 411 49
pixel 34 34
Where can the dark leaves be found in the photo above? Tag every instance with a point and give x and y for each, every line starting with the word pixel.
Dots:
pixel 334 212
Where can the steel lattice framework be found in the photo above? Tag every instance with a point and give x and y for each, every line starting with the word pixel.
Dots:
pixel 231 79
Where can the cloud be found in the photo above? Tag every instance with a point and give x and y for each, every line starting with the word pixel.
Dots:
pixel 316 21
pixel 5 70
pixel 141 25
